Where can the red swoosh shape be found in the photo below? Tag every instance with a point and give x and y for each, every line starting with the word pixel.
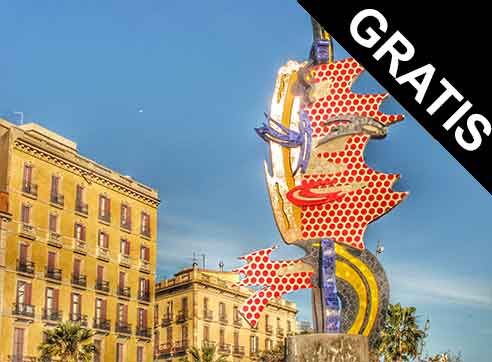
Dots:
pixel 303 195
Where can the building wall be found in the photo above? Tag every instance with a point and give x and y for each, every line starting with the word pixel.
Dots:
pixel 197 285
pixel 48 157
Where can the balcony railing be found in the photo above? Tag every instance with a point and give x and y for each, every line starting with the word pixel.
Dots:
pixel 78 318
pixel 79 280
pixel 27 230
pixel 254 354
pixel 182 316
pixel 102 252
pixel 102 285
pixel 238 322
pixel 223 319
pixel 145 233
pixel 143 296
pixel 126 225
pixel 52 315
pixel 105 218
pixel 165 349
pixel 30 189
pixel 145 266
pixel 25 267
pixel 280 331
pixel 238 351
pixel 224 348
pixel 102 324
pixel 125 260
pixel 23 310
pixel 181 346
pixel 269 329
pixel 55 239
pixel 144 332
pixel 123 327
pixel 124 292
pixel 19 358
pixel 53 273
pixel 57 199
pixel 167 320
pixel 208 315
pixel 82 208
pixel 80 246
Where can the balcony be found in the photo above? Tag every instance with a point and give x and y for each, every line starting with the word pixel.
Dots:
pixel 145 233
pixel 123 328
pixel 25 267
pixel 53 316
pixel 102 286
pixel 144 296
pixel 238 322
pixel 208 315
pixel 105 218
pixel 82 209
pixel 238 351
pixel 144 266
pixel 79 280
pixel 30 189
pixel 269 329
pixel 57 200
pixel 126 226
pixel 280 331
pixel 167 320
pixel 223 319
pixel 27 230
pixel 55 239
pixel 23 310
pixel 125 260
pixel 53 274
pixel 102 324
pixel 165 349
pixel 181 347
pixel 182 316
pixel 78 318
pixel 18 358
pixel 102 253
pixel 124 292
pixel 254 354
pixel 224 348
pixel 144 332
pixel 80 246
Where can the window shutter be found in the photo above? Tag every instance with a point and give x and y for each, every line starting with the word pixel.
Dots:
pixel 108 206
pixel 100 271
pixel 82 233
pixel 122 280
pixel 76 267
pixel 56 298
pixel 127 247
pixel 144 318
pixel 125 313
pixel 51 260
pixel 23 253
pixel 28 295
pixel 103 308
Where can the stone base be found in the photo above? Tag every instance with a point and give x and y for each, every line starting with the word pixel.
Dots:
pixel 327 348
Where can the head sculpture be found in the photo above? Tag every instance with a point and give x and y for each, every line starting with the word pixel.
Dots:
pixel 323 194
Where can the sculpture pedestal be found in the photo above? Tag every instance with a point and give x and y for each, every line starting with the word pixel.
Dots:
pixel 327 348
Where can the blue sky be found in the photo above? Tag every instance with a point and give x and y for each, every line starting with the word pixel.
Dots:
pixel 203 76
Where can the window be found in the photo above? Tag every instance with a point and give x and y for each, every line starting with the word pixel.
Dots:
pixel 51 261
pixel 76 268
pixel 100 310
pixel 53 223
pixel 23 250
pixel 267 320
pixel 268 344
pixel 289 327
pixel 252 344
pixel 51 302
pixel 119 352
pixel 56 197
pixel 144 254
pixel 235 312
pixel 236 339
pixel 143 288
pixel 184 333
pixel 184 304
pixel 18 351
pixel 222 311
pixel 26 214
pixel 126 217
pixel 124 247
pixel 98 352
pixel 100 273
pixel 24 294
pixel 278 323
pixel 122 279
pixel 145 224
pixel 76 306
pixel 104 208
pixel 80 206
pixel 221 337
pixel 169 336
pixel 27 185
pixel 142 318
pixel 169 309
pixel 122 316
pixel 206 333
pixel 79 233
pixel 103 240
pixel 156 314
pixel 205 305
pixel 140 353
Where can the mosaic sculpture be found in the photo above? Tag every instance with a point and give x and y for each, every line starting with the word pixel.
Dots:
pixel 323 194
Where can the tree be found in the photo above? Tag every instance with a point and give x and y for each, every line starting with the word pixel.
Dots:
pixel 68 342
pixel 446 357
pixel 400 336
pixel 206 354
pixel 273 355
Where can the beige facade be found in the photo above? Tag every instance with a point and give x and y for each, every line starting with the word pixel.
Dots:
pixel 200 306
pixel 77 242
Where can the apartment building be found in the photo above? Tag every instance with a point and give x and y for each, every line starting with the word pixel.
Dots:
pixel 199 307
pixel 77 242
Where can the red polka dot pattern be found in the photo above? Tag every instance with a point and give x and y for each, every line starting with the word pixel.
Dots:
pixel 367 194
pixel 261 271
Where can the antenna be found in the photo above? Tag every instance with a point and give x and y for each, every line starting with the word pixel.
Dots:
pixel 195 260
pixel 203 260
pixel 21 114
pixel 221 266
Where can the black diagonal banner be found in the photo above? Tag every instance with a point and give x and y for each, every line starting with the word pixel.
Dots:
pixel 434 61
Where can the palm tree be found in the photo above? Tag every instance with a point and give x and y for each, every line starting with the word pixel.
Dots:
pixel 68 342
pixel 400 336
pixel 206 354
pixel 273 355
